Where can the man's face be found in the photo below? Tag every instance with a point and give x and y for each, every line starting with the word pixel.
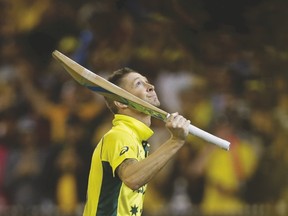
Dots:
pixel 139 86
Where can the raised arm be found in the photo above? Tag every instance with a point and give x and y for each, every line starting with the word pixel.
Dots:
pixel 36 98
pixel 138 173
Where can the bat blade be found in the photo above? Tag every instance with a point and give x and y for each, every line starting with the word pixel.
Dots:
pixel 102 86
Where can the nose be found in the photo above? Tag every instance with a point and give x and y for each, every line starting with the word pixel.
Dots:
pixel 150 87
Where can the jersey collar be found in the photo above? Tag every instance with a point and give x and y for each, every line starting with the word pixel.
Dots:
pixel 141 130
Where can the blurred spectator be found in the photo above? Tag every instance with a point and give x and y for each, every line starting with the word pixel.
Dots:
pixel 65 174
pixel 71 99
pixel 195 102
pixel 262 187
pixel 24 166
pixel 225 172
pixel 169 87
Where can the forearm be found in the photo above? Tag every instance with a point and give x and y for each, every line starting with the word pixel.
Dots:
pixel 136 174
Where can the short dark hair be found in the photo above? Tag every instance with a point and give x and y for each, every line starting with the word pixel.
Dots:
pixel 116 78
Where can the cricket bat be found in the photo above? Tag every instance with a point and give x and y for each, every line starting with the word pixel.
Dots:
pixel 102 86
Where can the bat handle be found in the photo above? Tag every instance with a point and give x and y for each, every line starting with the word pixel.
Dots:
pixel 209 137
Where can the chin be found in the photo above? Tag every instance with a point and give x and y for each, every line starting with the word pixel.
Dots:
pixel 156 103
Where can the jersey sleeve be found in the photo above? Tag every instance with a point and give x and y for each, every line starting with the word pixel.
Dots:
pixel 118 147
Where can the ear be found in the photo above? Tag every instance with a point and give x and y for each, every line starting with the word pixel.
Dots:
pixel 120 105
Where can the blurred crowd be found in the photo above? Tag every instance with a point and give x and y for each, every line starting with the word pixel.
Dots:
pixel 222 64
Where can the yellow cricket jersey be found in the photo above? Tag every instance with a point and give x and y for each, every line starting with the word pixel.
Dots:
pixel 107 195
